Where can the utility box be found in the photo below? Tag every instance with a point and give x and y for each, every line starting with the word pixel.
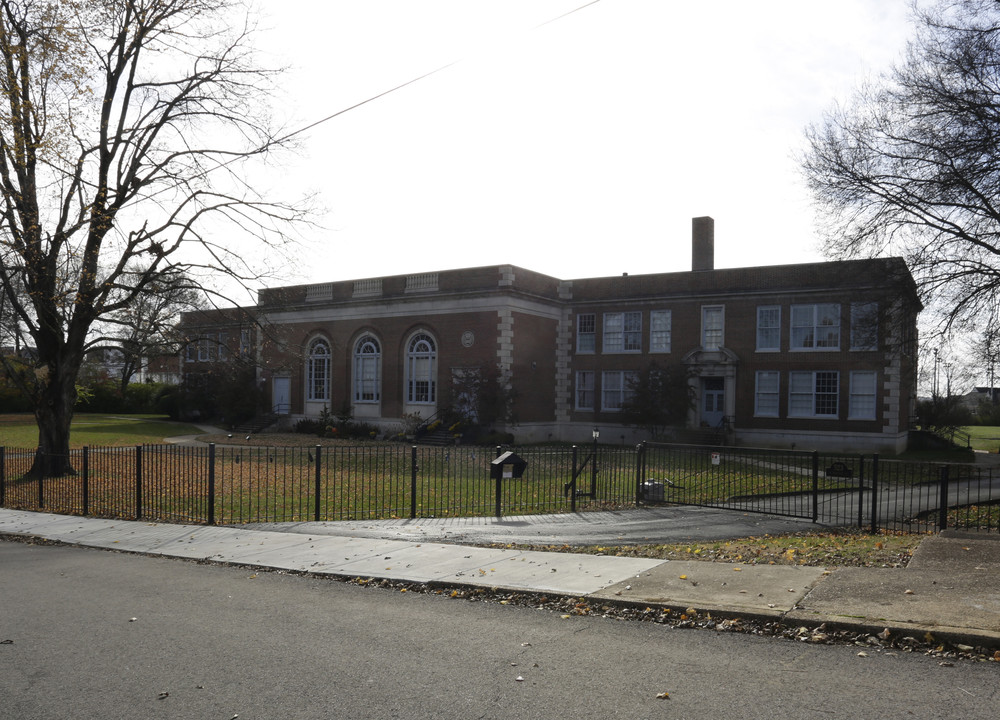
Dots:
pixel 507 466
pixel 652 491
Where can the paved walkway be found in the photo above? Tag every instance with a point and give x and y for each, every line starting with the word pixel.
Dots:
pixel 951 587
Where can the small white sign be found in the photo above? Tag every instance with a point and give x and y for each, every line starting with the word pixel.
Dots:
pixel 716 459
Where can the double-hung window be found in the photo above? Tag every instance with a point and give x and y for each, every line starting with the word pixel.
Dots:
pixel 864 326
pixel 863 395
pixel 223 346
pixel 616 389
pixel 813 393
pixel 585 390
pixel 586 326
pixel 712 327
pixel 659 331
pixel 622 332
pixel 815 327
pixel 768 328
pixel 766 394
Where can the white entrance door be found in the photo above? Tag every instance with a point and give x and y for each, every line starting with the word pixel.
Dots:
pixel 713 400
pixel 281 395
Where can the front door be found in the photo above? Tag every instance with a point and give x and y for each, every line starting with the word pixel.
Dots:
pixel 281 395
pixel 713 401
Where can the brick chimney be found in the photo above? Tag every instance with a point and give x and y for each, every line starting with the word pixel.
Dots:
pixel 702 243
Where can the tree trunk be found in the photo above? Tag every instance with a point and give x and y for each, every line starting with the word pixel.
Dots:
pixel 53 414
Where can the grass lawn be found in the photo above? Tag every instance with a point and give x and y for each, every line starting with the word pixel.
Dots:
pixel 837 548
pixel 95 430
pixel 984 437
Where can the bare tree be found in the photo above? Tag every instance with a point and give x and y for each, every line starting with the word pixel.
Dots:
pixel 911 165
pixel 147 328
pixel 126 127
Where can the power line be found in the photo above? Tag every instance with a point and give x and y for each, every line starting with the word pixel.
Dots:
pixel 416 79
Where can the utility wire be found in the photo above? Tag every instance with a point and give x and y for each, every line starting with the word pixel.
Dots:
pixel 310 126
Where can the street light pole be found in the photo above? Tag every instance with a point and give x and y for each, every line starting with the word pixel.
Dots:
pixel 593 468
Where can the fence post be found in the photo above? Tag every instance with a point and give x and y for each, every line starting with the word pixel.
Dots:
pixel 319 465
pixel 815 512
pixel 86 481
pixel 3 477
pixel 138 482
pixel 41 464
pixel 943 485
pixel 861 491
pixel 572 483
pixel 874 493
pixel 413 482
pixel 499 484
pixel 211 483
pixel 640 470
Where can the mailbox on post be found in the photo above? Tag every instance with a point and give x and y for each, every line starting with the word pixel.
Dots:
pixel 506 466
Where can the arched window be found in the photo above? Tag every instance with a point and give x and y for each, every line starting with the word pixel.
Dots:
pixel 367 375
pixel 421 371
pixel 318 370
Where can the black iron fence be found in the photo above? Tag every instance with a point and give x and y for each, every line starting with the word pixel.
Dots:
pixel 233 485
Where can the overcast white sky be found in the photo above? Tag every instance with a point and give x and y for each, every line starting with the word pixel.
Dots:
pixel 578 147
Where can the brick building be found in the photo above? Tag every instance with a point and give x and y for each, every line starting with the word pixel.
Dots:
pixel 817 355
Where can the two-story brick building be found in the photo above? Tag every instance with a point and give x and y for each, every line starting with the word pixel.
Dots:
pixel 816 355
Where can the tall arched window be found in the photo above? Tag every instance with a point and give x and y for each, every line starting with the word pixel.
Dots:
pixel 318 370
pixel 367 376
pixel 421 371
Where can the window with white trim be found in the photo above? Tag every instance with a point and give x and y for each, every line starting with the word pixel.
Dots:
pixel 712 327
pixel 586 332
pixel 244 342
pixel 205 353
pixel 622 332
pixel 766 393
pixel 585 390
pixel 367 370
pixel 659 331
pixel 191 352
pixel 863 395
pixel 815 327
pixel 223 346
pixel 616 389
pixel 768 328
pixel 318 370
pixel 864 326
pixel 421 370
pixel 813 393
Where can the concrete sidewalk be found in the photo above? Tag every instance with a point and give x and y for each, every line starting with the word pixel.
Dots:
pixel 951 587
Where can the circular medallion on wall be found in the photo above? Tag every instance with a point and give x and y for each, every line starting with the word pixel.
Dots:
pixel 468 337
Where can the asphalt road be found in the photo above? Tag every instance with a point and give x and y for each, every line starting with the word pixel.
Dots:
pixel 96 634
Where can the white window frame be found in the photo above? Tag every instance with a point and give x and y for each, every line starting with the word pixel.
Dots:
pixel 622 332
pixel 421 369
pixel 191 351
pixel 367 370
pixel 809 331
pixel 767 393
pixel 864 326
pixel 244 342
pixel 584 394
pixel 586 339
pixel 863 400
pixel 615 390
pixel 807 391
pixel 223 346
pixel 660 330
pixel 205 353
pixel 713 327
pixel 318 364
pixel 768 328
